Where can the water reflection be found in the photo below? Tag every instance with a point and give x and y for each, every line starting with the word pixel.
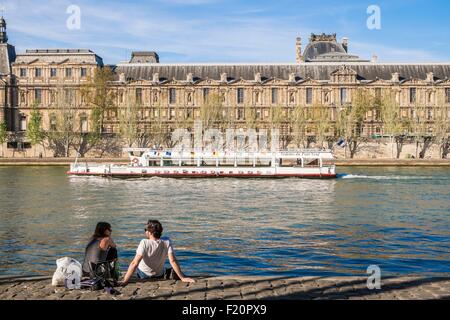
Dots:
pixel 396 218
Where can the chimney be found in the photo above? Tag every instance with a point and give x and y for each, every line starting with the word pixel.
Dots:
pixel 190 78
pixel 298 50
pixel 224 78
pixel 258 77
pixel 345 44
pixel 395 77
pixel 292 77
pixel 156 77
pixel 374 58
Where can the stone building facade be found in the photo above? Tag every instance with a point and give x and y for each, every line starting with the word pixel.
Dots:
pixel 323 73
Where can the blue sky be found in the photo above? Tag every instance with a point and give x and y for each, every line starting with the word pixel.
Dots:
pixel 231 30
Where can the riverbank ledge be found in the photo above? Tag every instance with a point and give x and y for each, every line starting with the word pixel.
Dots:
pixel 239 288
pixel 337 162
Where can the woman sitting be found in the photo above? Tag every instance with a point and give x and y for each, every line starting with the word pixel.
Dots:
pixel 101 248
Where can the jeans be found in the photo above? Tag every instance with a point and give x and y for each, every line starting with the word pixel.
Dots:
pixel 142 275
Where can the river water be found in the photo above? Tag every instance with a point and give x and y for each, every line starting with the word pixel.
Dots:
pixel 396 218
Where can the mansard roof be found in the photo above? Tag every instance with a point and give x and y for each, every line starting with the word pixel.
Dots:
pixel 59 56
pixel 312 70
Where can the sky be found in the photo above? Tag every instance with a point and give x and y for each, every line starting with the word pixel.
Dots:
pixel 257 31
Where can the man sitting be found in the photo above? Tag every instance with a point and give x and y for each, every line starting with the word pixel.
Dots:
pixel 151 255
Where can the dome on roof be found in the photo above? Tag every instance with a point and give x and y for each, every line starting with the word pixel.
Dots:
pixel 325 48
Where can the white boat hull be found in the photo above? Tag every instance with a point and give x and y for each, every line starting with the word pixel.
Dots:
pixel 328 172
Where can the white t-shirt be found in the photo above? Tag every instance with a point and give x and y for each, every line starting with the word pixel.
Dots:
pixel 154 253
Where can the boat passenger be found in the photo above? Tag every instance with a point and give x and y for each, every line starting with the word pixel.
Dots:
pixel 101 248
pixel 151 255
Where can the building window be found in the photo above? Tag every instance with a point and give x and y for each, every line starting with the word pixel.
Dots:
pixel 412 95
pixel 69 97
pixel 23 72
pixel 205 94
pixel 172 96
pixel 240 114
pixel 309 95
pixel 240 95
pixel 52 122
pixel 38 72
pixel 139 95
pixel 430 114
pixel 274 95
pixel 38 95
pixel 83 72
pixel 68 72
pixel 23 122
pixel 53 72
pixel 343 94
pixel 172 114
pixel 83 123
pixel 447 95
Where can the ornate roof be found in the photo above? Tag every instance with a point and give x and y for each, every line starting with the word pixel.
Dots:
pixel 313 70
pixel 326 48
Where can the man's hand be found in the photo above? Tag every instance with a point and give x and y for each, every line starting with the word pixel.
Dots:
pixel 189 280
pixel 122 283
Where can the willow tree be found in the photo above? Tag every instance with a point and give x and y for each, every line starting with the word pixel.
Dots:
pixel 441 127
pixel 3 134
pixel 350 120
pixel 62 134
pixel 321 119
pixel 212 111
pixel 394 125
pixel 98 94
pixel 158 128
pixel 298 123
pixel 35 133
pixel 421 130
pixel 128 118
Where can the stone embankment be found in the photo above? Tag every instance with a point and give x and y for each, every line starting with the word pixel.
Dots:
pixel 239 288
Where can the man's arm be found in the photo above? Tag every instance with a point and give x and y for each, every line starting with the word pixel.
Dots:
pixel 132 268
pixel 176 267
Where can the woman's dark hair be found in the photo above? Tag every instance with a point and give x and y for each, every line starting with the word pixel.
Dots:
pixel 100 229
pixel 155 228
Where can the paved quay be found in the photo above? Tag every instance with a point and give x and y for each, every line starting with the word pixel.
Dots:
pixel 240 288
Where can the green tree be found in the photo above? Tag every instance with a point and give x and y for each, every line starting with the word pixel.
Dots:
pixel 321 118
pixel 350 121
pixel 100 96
pixel 35 133
pixel 3 134
pixel 128 124
pixel 298 123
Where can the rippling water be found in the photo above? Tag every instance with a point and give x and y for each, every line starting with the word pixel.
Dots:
pixel 397 218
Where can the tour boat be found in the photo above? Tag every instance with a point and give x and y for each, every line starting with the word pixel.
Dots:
pixel 179 164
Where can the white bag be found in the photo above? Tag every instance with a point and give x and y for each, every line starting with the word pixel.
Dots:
pixel 68 273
